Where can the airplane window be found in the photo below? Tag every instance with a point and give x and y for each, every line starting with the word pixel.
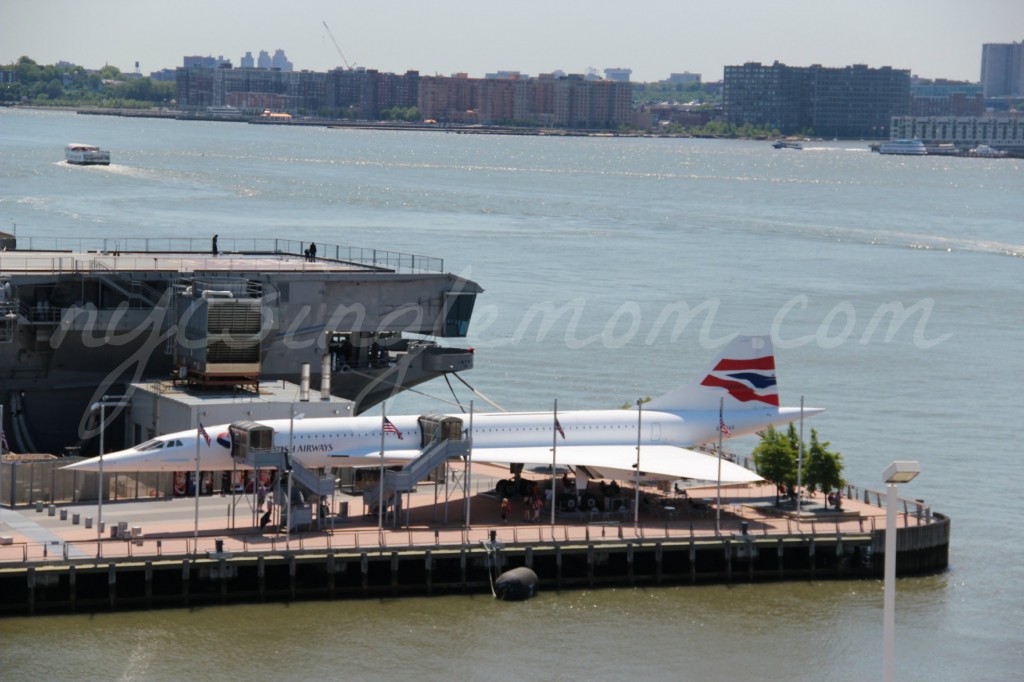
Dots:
pixel 151 445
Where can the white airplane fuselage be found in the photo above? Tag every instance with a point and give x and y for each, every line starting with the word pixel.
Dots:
pixel 356 441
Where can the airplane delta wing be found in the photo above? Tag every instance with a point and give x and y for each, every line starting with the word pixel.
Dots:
pixel 617 461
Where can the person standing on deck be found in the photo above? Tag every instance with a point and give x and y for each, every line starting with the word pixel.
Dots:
pixel 213 245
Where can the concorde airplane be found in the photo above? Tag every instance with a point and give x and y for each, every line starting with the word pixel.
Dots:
pixel 602 441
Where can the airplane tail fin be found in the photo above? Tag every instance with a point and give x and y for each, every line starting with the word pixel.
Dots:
pixel 744 374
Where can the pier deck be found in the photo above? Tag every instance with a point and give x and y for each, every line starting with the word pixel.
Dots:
pixel 50 564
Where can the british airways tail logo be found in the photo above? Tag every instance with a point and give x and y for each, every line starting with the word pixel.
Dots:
pixel 746 380
pixel 223 440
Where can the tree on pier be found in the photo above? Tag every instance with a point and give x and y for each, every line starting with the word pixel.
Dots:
pixel 775 459
pixel 824 468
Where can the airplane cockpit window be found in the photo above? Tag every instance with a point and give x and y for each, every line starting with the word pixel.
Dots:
pixel 174 443
pixel 151 445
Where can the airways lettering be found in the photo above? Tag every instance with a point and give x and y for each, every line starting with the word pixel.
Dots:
pixel 313 447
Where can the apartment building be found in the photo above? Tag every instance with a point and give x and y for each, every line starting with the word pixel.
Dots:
pixel 851 101
pixel 554 100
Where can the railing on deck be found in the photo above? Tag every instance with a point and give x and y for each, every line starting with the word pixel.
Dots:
pixel 163 247
pixel 87 551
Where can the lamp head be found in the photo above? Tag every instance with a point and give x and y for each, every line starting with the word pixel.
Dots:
pixel 901 472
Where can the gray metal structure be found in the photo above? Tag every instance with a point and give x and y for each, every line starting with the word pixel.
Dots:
pixel 84 318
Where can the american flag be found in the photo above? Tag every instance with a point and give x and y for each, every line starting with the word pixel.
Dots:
pixel 723 428
pixel 204 434
pixel 391 428
pixel 558 427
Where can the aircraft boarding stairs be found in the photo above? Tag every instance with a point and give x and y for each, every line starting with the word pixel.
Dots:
pixel 442 440
pixel 253 444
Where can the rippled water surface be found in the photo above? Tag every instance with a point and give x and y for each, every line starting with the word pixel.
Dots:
pixel 614 268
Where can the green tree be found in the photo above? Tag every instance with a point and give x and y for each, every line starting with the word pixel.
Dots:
pixel 824 468
pixel 775 460
pixel 109 72
pixel 54 89
pixel 794 439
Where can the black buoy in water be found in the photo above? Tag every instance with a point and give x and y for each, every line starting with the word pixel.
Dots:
pixel 517 584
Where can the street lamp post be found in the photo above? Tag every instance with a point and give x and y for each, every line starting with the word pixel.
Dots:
pixel 639 432
pixel 895 473
pixel 288 468
pixel 107 401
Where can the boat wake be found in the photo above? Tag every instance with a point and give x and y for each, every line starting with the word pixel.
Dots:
pixel 909 240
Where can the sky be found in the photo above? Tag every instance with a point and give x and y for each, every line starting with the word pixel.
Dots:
pixel 654 38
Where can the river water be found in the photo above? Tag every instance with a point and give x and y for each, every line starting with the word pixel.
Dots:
pixel 613 269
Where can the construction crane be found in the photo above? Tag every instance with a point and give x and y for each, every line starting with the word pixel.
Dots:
pixel 338 48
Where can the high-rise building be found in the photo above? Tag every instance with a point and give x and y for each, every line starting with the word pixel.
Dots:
pixel 945 98
pixel 851 101
pixel 280 62
pixel 1002 69
pixel 550 100
pixel 684 77
pixel 206 62
pixel 247 61
pixel 618 74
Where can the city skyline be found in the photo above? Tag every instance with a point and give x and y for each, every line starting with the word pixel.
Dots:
pixel 936 39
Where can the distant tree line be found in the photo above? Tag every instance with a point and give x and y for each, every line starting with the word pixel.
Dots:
pixel 708 94
pixel 72 86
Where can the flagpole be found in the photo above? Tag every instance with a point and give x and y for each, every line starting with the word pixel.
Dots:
pixel 554 459
pixel 99 488
pixel 380 499
pixel 639 431
pixel 721 432
pixel 800 460
pixel 469 468
pixel 196 488
pixel 3 441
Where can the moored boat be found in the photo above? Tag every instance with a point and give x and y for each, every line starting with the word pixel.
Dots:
pixel 985 151
pixel 906 147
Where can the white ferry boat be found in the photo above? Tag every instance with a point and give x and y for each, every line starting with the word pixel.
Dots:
pixel 909 147
pixel 86 155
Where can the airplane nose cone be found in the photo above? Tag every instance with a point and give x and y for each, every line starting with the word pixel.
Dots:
pixel 112 461
pixel 91 464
